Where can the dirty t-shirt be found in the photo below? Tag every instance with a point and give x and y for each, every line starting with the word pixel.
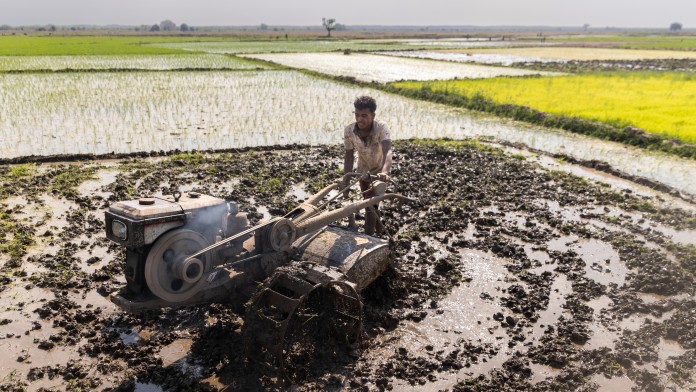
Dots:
pixel 370 157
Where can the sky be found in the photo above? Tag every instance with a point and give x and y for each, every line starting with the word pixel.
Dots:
pixel 596 13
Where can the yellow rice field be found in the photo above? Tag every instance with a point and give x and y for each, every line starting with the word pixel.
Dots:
pixel 656 102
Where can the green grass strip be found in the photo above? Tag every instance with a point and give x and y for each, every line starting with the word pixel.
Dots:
pixel 20 45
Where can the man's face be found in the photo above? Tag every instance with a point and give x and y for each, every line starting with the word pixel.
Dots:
pixel 364 119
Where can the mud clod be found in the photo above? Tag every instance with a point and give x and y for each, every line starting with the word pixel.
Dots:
pixel 495 286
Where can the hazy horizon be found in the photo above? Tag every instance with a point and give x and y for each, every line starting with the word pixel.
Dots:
pixel 301 13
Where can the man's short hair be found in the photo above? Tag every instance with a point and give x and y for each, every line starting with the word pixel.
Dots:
pixel 365 102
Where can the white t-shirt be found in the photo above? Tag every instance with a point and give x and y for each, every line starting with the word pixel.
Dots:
pixel 370 157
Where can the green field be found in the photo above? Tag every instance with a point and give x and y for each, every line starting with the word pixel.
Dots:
pixel 21 45
pixel 660 103
pixel 672 42
pixel 290 46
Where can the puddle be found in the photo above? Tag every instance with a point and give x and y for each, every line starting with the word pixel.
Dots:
pixel 175 352
pixel 616 183
pixel 614 384
pixel 462 315
pixel 94 187
pixel 635 321
pixel 147 387
pixel 540 256
pixel 602 262
pixel 298 192
pixel 602 335
pixel 463 310
pixel 129 337
pixel 95 300
pixel 542 372
pixel 562 243
pixel 263 210
pixel 668 348
pixel 59 208
pixel 17 338
pixel 559 289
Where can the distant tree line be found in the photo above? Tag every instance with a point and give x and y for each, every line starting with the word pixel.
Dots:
pixel 165 25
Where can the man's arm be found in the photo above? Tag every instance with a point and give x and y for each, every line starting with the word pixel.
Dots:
pixel 387 154
pixel 348 160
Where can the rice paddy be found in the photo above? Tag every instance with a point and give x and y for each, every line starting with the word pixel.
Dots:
pixel 565 53
pixel 383 69
pixel 656 102
pixel 125 62
pixel 510 56
pixel 287 46
pixel 21 45
pixel 467 57
pixel 101 111
pixel 673 42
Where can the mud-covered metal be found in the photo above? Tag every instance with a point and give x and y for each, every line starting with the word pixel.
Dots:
pixel 290 299
pixel 362 258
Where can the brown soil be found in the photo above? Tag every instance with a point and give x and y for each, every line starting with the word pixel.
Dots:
pixel 508 276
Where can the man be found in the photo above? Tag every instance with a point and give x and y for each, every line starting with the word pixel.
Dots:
pixel 371 139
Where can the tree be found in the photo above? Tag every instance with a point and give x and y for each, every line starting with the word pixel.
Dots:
pixel 329 24
pixel 167 25
pixel 155 27
pixel 675 26
pixel 184 27
pixel 263 27
pixel 585 26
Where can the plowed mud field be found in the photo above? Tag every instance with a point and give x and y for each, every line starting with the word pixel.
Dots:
pixel 510 274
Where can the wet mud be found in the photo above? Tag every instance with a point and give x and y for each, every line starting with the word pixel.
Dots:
pixel 507 276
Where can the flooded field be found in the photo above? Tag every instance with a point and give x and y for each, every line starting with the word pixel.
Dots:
pixel 292 46
pixel 560 58
pixel 45 114
pixel 127 62
pixel 386 69
pixel 470 57
pixel 510 272
pixel 566 53
pixel 280 45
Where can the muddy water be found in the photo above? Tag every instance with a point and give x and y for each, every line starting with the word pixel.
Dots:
pixel 464 314
pixel 19 338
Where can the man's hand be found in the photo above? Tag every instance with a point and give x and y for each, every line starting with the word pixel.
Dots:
pixel 384 177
